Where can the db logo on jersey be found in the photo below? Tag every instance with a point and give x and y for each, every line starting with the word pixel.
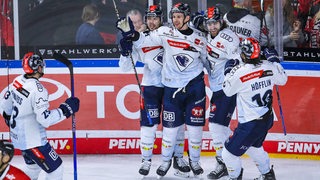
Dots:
pixel 168 116
pixel 197 112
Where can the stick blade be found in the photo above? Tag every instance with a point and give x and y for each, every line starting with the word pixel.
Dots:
pixel 62 59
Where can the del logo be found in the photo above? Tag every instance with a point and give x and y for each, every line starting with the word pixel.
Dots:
pixel 197 111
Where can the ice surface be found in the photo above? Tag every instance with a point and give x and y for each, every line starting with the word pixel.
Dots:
pixel 125 167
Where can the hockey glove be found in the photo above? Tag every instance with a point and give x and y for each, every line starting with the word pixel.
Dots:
pixel 271 55
pixel 126 27
pixel 125 47
pixel 198 21
pixel 70 106
pixel 230 64
pixel 6 118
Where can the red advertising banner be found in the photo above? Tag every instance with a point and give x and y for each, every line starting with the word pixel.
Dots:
pixel 108 120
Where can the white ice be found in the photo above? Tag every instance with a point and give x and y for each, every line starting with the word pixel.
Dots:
pixel 125 167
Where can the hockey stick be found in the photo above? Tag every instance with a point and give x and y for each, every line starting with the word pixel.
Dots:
pixel 135 72
pixel 277 88
pixel 68 63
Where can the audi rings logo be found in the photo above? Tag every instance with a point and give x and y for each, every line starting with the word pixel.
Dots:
pixel 61 89
pixel 226 37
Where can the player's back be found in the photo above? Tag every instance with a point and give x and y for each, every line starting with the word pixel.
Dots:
pixel 25 130
pixel 243 23
pixel 253 85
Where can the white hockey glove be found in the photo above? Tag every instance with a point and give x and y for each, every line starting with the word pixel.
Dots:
pixel 126 27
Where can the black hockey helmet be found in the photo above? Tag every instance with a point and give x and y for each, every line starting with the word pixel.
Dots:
pixel 6 148
pixel 153 11
pixel 31 63
pixel 212 14
pixel 250 50
pixel 180 8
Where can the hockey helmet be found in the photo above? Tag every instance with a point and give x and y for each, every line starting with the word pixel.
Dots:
pixel 31 63
pixel 153 11
pixel 6 148
pixel 250 49
pixel 180 8
pixel 213 14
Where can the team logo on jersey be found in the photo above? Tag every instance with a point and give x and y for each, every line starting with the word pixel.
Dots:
pixel 159 58
pixel 183 61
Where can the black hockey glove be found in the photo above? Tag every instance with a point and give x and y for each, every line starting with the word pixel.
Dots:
pixel 70 106
pixel 6 118
pixel 271 55
pixel 126 27
pixel 230 64
pixel 125 47
pixel 197 20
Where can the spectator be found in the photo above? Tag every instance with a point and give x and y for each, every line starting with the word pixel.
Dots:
pixel 292 30
pixel 312 27
pixel 136 18
pixel 8 171
pixel 252 83
pixel 107 32
pixel 87 33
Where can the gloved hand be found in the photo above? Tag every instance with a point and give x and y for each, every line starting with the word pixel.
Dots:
pixel 125 47
pixel 197 20
pixel 271 55
pixel 70 106
pixel 230 64
pixel 126 27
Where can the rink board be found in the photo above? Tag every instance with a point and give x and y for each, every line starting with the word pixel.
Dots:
pixel 108 120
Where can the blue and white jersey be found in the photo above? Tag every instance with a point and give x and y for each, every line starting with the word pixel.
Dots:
pixel 253 86
pixel 184 55
pixel 220 49
pixel 245 24
pixel 27 103
pixel 152 57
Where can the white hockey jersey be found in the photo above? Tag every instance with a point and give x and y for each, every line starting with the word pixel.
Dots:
pixel 152 57
pixel 184 55
pixel 223 47
pixel 253 86
pixel 27 103
pixel 245 25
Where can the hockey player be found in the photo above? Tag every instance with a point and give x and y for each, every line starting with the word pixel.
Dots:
pixel 152 92
pixel 252 83
pixel 183 80
pixel 222 45
pixel 243 23
pixel 8 171
pixel 26 110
